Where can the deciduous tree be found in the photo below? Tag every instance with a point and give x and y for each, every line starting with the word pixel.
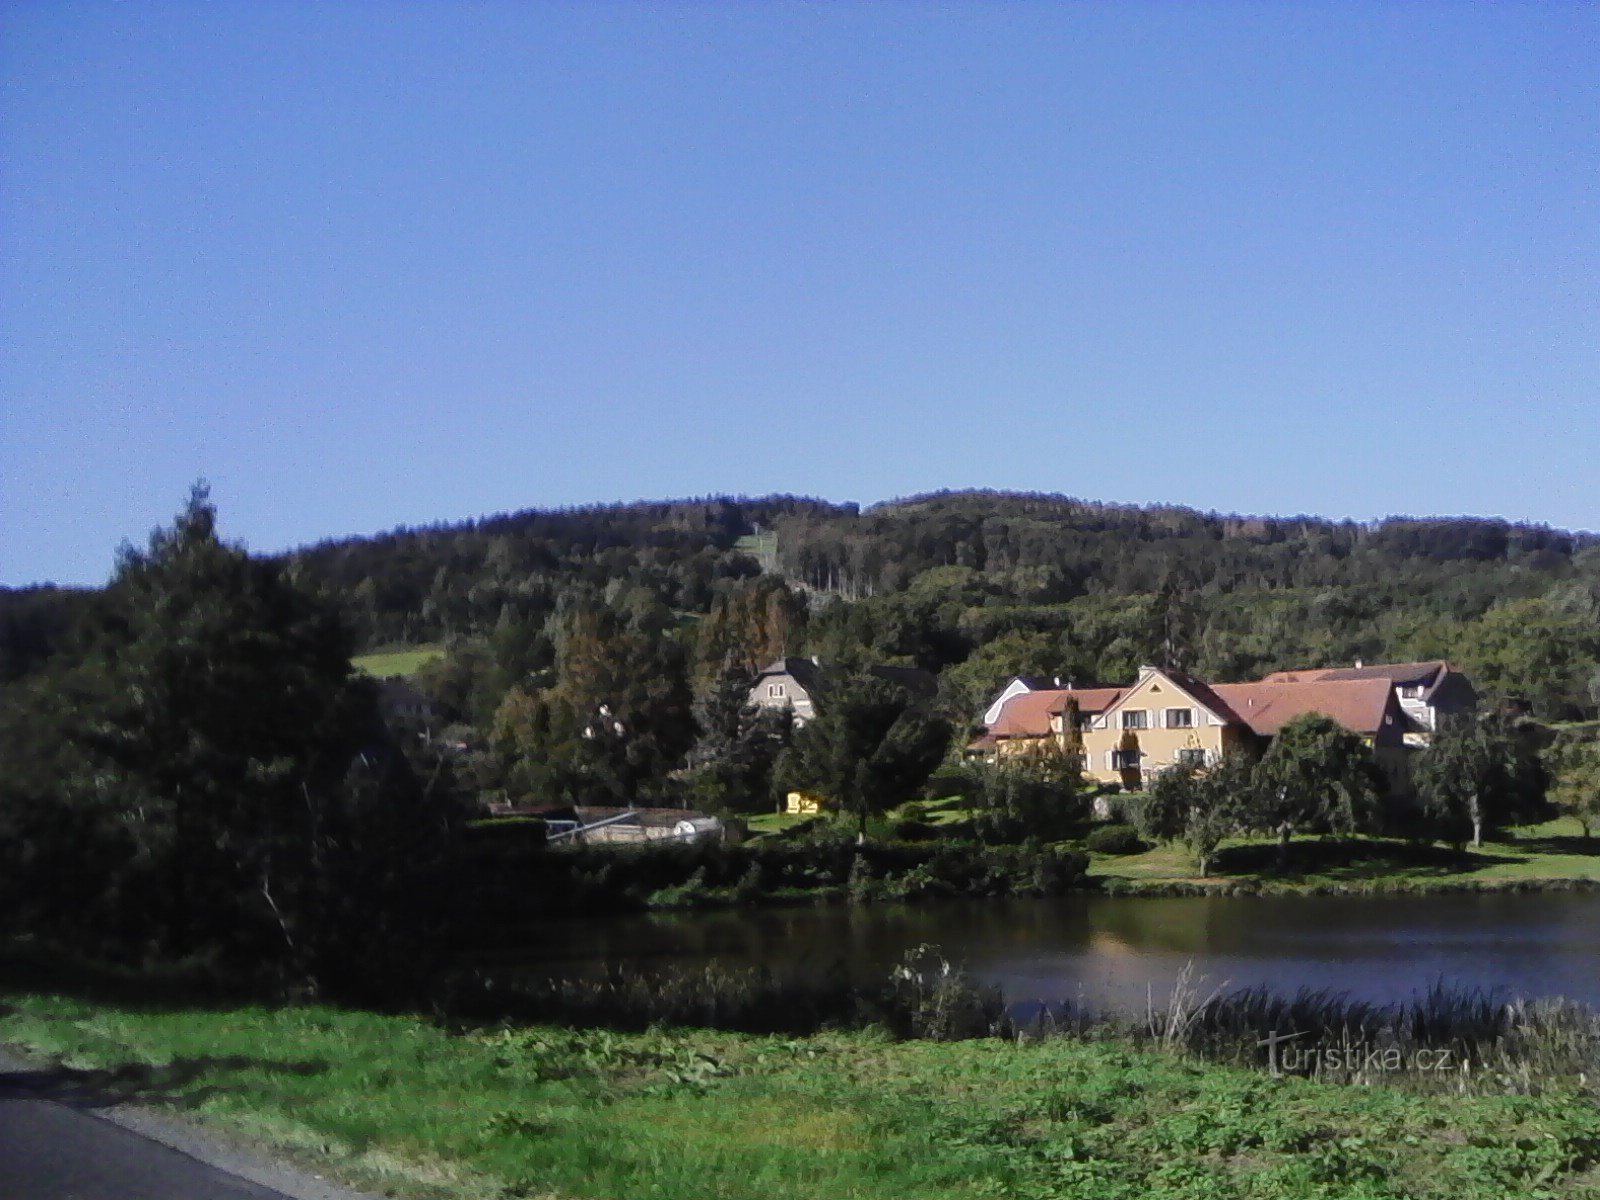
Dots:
pixel 1477 775
pixel 1575 788
pixel 1198 807
pixel 1316 773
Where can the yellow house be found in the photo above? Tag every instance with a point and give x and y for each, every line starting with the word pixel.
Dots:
pixel 1169 719
pixel 1166 719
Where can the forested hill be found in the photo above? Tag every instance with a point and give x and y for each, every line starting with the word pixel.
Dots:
pixel 1070 547
pixel 976 585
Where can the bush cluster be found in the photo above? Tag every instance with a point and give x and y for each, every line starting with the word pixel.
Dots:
pixel 1115 839
pixel 515 879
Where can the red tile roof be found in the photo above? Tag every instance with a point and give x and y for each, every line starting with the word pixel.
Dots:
pixel 1266 707
pixel 1028 714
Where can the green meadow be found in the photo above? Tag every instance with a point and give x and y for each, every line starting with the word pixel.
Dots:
pixel 1550 854
pixel 405 1107
pixel 397 660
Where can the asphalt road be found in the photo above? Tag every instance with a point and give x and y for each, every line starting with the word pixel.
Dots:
pixel 69 1135
pixel 51 1152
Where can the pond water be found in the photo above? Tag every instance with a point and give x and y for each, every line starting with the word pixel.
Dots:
pixel 1109 951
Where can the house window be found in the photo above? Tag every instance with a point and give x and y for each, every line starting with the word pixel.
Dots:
pixel 1135 718
pixel 1191 758
pixel 1124 760
pixel 1180 718
pixel 775 691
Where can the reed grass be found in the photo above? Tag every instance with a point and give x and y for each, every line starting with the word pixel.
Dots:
pixel 1491 1042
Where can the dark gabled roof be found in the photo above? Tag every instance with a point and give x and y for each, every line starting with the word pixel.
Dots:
pixel 804 671
pixel 1413 674
pixel 814 676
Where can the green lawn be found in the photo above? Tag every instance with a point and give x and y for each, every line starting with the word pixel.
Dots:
pixel 776 822
pixel 1553 851
pixel 397 660
pixel 399 1105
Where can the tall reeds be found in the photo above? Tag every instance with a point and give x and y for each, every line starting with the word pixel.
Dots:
pixel 1448 1038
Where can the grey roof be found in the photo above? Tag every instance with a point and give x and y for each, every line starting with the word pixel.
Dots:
pixel 1427 675
pixel 814 676
pixel 804 672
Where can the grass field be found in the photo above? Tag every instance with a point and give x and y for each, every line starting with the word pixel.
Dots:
pixel 400 1105
pixel 397 660
pixel 776 822
pixel 1554 851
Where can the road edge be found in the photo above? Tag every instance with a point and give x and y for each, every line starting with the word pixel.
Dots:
pixel 216 1147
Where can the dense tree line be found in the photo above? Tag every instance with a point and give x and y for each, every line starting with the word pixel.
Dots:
pixel 649 610
pixel 193 769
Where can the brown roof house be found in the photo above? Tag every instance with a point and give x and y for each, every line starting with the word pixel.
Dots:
pixel 1427 691
pixel 799 684
pixel 1019 685
pixel 1168 718
pixel 1031 721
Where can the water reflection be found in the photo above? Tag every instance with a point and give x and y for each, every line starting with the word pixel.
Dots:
pixel 1110 950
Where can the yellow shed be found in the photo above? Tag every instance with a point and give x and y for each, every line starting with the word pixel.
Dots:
pixel 803 804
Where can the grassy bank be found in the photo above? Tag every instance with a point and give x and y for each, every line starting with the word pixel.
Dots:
pixel 400 1104
pixel 1551 855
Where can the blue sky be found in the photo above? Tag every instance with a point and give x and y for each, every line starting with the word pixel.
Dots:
pixel 381 264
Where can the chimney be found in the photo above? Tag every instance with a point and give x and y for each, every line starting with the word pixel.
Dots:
pixel 1056 680
pixel 816 660
pixel 1358 664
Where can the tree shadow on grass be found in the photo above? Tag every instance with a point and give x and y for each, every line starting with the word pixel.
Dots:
pixel 140 1083
pixel 1353 859
pixel 1584 847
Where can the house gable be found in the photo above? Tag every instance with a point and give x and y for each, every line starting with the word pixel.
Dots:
pixel 1157 693
pixel 787 683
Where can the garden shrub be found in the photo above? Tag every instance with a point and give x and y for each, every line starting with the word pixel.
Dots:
pixel 1115 839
